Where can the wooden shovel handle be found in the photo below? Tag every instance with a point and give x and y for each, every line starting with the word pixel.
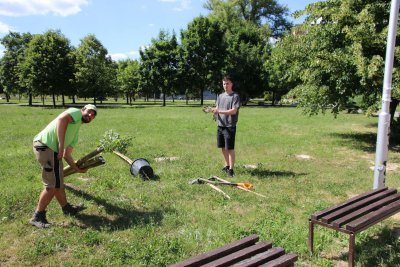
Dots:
pixel 122 156
pixel 219 190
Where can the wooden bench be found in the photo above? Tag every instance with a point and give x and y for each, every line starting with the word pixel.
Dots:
pixel 243 252
pixel 356 215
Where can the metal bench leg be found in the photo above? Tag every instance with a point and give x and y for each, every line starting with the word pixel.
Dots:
pixel 310 236
pixel 352 244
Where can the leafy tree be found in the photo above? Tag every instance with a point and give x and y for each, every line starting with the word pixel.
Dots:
pixel 345 43
pixel 47 67
pixel 249 26
pixel 15 45
pixel 284 66
pixel 128 77
pixel 146 86
pixel 95 72
pixel 248 49
pixel 203 54
pixel 160 63
pixel 258 12
pixel 1 85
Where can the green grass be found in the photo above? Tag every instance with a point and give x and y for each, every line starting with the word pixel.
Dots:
pixel 130 222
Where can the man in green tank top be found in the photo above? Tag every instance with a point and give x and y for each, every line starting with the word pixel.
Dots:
pixel 55 142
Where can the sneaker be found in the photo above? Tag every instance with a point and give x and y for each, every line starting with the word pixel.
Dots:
pixel 39 220
pixel 230 173
pixel 73 209
pixel 225 169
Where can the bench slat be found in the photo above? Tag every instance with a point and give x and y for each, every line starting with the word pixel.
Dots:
pixel 357 205
pixel 261 258
pixel 240 255
pixel 218 252
pixel 284 261
pixel 318 215
pixel 374 217
pixel 361 212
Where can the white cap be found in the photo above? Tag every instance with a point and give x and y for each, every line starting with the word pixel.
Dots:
pixel 91 107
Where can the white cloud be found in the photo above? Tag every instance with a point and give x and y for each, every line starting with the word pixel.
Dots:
pixel 134 54
pixel 122 56
pixel 118 56
pixel 2 50
pixel 182 4
pixel 17 8
pixel 4 28
pixel 144 47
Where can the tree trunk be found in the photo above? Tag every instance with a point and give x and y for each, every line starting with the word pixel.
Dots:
pixel 392 109
pixel 163 100
pixel 201 96
pixel 30 99
pixel 54 100
pixel 273 98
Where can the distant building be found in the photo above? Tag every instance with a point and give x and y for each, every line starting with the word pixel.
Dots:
pixel 208 95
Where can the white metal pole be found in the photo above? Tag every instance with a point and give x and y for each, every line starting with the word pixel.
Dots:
pixel 382 143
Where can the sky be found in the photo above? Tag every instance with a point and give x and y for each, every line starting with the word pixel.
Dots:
pixel 122 26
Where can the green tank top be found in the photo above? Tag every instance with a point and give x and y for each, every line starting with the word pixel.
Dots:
pixel 48 135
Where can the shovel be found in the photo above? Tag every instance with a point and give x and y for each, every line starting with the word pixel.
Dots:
pixel 212 185
pixel 222 180
pixel 246 186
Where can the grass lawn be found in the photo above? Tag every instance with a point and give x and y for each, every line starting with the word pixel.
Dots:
pixel 302 164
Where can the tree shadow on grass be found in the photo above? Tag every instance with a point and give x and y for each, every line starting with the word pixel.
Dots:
pixel 122 218
pixel 361 141
pixel 381 249
pixel 263 173
pixel 365 141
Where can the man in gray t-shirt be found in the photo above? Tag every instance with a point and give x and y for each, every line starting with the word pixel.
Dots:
pixel 227 114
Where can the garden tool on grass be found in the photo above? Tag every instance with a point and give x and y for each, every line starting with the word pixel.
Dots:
pixel 219 190
pixel 213 178
pixel 246 186
pixel 197 181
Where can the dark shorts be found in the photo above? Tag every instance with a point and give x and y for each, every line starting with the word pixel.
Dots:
pixel 226 137
pixel 52 168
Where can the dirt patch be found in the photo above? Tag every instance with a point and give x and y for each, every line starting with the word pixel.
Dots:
pixel 250 167
pixel 85 179
pixel 303 157
pixel 396 217
pixel 390 166
pixel 351 195
pixel 166 158
pixel 335 257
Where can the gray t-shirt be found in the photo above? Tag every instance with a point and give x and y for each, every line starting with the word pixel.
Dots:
pixel 226 102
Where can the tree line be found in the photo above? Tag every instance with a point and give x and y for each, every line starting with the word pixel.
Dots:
pixel 335 57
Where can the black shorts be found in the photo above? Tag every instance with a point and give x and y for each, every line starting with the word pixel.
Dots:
pixel 226 137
